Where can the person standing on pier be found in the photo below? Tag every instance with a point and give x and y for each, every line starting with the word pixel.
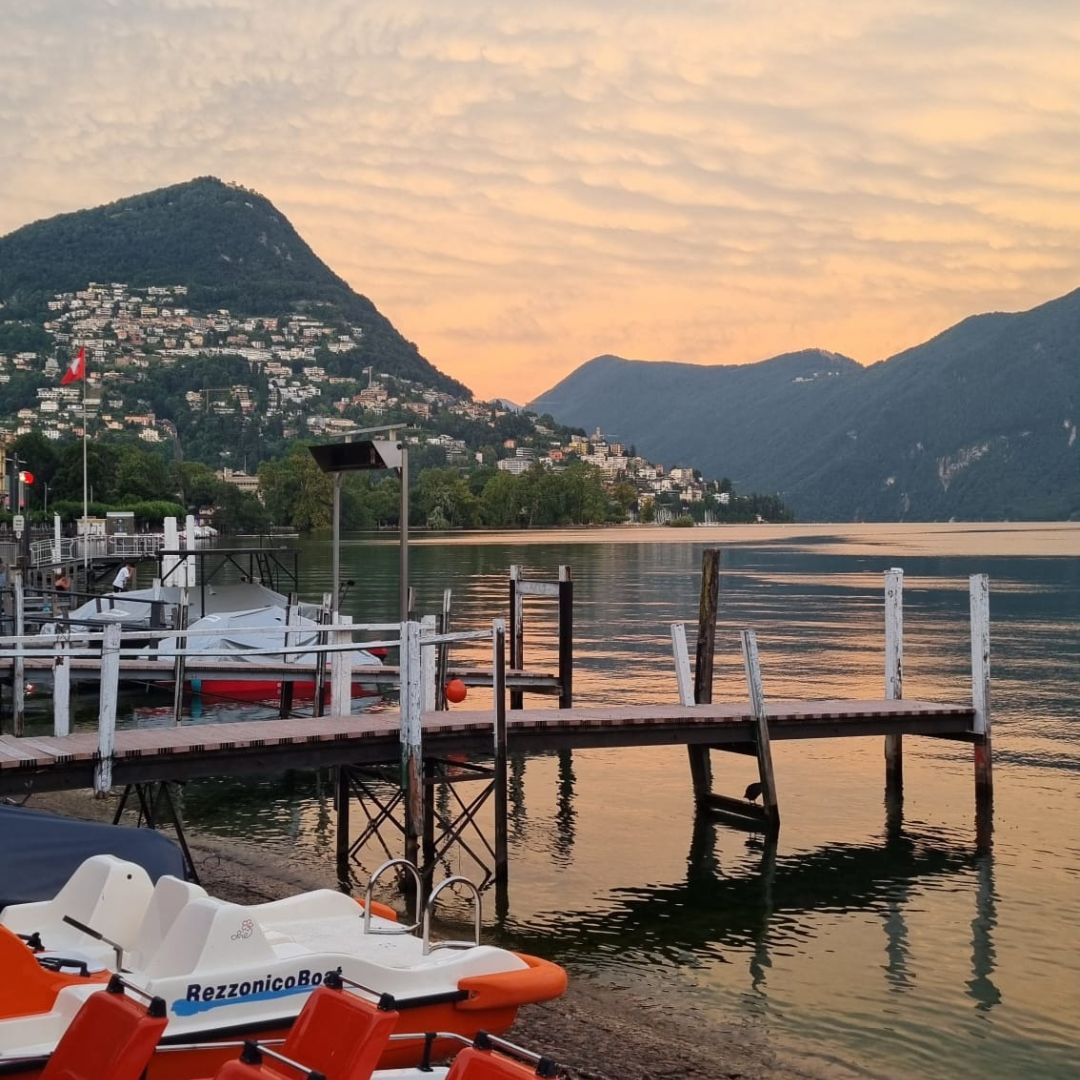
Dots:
pixel 125 577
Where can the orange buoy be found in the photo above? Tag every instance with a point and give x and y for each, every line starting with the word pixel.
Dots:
pixel 456 691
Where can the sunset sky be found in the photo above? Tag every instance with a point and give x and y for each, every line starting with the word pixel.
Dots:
pixel 521 186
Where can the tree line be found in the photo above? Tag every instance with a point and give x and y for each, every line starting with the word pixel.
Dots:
pixel 124 474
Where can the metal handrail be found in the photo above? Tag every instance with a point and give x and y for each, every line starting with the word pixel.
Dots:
pixel 429 909
pixel 376 874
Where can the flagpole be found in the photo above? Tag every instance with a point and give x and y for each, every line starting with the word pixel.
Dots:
pixel 85 502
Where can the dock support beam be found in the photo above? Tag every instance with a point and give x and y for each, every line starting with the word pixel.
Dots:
pixel 894 686
pixel 979 591
pixel 700 763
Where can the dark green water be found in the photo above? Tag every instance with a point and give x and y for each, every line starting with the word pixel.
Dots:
pixel 903 954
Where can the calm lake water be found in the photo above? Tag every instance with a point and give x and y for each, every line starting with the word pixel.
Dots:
pixel 895 954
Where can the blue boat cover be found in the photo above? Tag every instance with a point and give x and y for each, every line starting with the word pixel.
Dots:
pixel 39 851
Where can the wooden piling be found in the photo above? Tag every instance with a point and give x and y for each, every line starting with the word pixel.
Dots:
pixel 770 803
pixel 443 651
pixel 285 697
pixel 62 682
pixel 708 603
pixel 566 638
pixel 326 615
pixel 110 683
pixel 341 670
pixel 517 633
pixel 179 674
pixel 683 678
pixel 979 592
pixel 429 664
pixel 341 831
pixel 894 681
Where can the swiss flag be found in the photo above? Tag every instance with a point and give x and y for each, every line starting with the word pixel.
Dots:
pixel 76 368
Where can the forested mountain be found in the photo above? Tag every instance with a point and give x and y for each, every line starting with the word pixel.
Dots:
pixel 979 423
pixel 231 248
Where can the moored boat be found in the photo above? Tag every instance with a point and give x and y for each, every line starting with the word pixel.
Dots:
pixel 228 971
pixel 339 1035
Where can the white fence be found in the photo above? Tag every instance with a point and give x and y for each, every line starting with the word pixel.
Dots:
pixel 418 676
pixel 74 549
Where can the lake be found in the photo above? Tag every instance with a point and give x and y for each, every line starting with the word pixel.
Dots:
pixel 894 952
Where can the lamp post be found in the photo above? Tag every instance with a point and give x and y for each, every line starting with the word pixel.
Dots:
pixel 349 456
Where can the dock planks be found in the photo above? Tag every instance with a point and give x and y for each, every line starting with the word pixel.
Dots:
pixel 194 750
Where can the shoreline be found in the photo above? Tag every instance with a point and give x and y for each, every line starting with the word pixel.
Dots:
pixel 594 1032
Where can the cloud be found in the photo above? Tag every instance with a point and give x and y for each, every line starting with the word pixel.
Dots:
pixel 521 187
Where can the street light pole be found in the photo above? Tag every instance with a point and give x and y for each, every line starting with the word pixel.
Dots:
pixel 336 543
pixel 403 572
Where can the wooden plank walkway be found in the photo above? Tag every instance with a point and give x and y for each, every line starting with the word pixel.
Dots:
pixel 195 750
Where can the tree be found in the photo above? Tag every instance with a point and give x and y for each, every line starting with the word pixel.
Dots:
pixel 444 499
pixel 501 503
pixel 296 491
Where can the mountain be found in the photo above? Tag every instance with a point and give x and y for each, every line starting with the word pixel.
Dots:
pixel 979 423
pixel 230 246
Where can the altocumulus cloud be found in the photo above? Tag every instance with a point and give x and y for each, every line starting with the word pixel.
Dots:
pixel 520 187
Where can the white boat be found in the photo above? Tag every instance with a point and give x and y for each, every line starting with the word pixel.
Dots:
pixel 247 616
pixel 229 971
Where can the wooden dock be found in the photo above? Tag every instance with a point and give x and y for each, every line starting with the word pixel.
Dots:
pixel 143 755
pixel 415 740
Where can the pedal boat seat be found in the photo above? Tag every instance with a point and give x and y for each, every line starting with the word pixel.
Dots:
pixel 112 1037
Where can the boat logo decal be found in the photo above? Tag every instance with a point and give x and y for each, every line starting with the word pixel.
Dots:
pixel 201 997
pixel 247 928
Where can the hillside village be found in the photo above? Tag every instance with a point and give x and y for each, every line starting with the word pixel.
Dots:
pixel 297 384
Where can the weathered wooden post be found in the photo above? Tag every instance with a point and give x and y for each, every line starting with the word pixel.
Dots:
pixel 443 654
pixel 327 614
pixel 412 772
pixel 110 682
pixel 502 847
pixel 683 678
pixel 340 705
pixel 18 665
pixel 769 800
pixel 341 669
pixel 62 681
pixel 894 681
pixel 566 638
pixel 429 664
pixel 517 633
pixel 180 660
pixel 285 688
pixel 979 592
pixel 708 603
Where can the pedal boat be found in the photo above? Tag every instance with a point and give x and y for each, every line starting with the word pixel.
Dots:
pixel 338 1036
pixel 232 972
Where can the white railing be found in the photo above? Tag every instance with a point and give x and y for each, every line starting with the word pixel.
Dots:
pixel 74 548
pixel 418 674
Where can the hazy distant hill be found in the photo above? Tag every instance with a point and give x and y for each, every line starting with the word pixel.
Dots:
pixel 978 423
pixel 230 246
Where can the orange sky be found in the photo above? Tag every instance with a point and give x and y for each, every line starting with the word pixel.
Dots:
pixel 521 187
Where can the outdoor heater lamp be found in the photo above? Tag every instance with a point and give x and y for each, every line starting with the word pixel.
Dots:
pixel 343 457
